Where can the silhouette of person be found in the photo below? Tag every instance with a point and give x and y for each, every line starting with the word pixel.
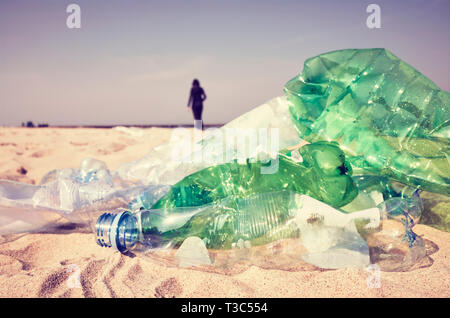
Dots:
pixel 196 98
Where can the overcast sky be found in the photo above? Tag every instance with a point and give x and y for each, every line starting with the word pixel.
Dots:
pixel 132 62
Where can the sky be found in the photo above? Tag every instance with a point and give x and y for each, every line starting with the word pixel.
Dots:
pixel 132 62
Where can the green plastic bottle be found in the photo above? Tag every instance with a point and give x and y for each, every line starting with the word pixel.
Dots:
pixel 318 170
pixel 387 117
pixel 212 203
pixel 328 237
pixel 258 219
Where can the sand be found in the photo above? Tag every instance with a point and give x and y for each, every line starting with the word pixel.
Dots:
pixel 68 262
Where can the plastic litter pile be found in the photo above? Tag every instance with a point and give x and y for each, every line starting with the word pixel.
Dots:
pixel 359 136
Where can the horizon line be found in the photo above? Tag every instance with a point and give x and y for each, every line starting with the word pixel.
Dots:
pixel 112 126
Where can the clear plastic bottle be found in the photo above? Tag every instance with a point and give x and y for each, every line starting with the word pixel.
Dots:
pixel 259 220
pixel 78 195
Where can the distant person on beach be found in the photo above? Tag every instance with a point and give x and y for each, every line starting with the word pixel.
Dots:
pixel 196 98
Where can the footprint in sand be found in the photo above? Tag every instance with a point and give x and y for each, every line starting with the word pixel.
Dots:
pixel 40 153
pixel 135 273
pixel 9 265
pixel 78 144
pixel 170 288
pixel 5 144
pixel 112 147
pixel 51 283
pixel 26 256
pixel 89 275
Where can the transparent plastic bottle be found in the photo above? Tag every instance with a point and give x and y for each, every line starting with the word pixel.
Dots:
pixel 318 170
pixel 388 118
pixel 77 195
pixel 259 220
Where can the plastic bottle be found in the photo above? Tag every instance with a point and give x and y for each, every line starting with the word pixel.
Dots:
pixel 387 117
pixel 78 195
pixel 318 170
pixel 258 220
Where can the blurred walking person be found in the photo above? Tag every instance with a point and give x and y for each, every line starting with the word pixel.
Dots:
pixel 196 98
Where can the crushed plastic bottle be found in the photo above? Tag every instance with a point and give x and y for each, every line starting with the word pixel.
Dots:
pixel 319 170
pixel 387 117
pixel 78 195
pixel 330 238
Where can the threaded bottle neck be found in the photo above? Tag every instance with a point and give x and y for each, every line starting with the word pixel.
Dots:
pixel 119 231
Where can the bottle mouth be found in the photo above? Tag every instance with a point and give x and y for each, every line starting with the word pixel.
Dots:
pixel 119 231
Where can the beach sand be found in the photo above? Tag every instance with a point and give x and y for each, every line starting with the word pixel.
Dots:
pixel 68 262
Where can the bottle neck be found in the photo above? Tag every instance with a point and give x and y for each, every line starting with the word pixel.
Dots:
pixel 119 231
